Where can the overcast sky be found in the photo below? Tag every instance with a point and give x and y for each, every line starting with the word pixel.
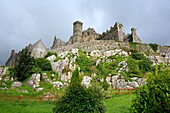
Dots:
pixel 26 21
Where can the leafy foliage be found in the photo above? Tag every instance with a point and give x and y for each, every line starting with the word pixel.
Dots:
pixel 43 64
pixel 50 53
pixel 75 79
pixel 105 68
pixel 23 68
pixel 143 62
pixel 154 47
pixel 154 97
pixel 84 62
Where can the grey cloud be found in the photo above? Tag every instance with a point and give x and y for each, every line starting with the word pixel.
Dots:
pixel 23 22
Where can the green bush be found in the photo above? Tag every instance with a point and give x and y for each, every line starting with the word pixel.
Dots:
pixel 137 56
pixel 154 47
pixel 43 64
pixel 50 53
pixel 133 67
pixel 154 97
pixel 145 65
pixel 105 68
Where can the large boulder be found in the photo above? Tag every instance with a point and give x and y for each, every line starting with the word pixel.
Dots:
pixel 121 84
pixel 51 58
pixel 34 80
pixel 95 53
pixel 133 84
pixel 60 65
pixel 16 84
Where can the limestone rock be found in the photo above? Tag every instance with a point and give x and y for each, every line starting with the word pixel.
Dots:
pixel 95 53
pixel 51 58
pixel 114 79
pixel 63 54
pixel 121 83
pixel 3 70
pixel 58 84
pixel 34 80
pixel 16 84
pixel 141 81
pixel 123 66
pixel 38 89
pixel 108 80
pixel 133 84
pixel 60 65
pixel 86 81
pixel 74 51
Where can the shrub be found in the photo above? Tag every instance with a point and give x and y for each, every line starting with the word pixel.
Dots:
pixel 154 47
pixel 154 97
pixel 50 53
pixel 145 65
pixel 133 66
pixel 137 56
pixel 105 68
pixel 43 64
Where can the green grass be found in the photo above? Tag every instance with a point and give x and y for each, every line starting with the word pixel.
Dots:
pixel 25 107
pixel 118 104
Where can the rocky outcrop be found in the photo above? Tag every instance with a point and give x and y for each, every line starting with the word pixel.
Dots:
pixel 3 70
pixel 16 84
pixel 34 80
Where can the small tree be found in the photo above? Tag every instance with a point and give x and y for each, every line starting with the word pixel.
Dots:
pixel 154 97
pixel 78 99
pixel 23 68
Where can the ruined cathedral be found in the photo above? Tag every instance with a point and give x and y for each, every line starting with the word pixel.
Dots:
pixel 115 33
pixel 86 40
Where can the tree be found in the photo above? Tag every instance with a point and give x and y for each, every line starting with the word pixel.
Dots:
pixel 79 99
pixel 23 68
pixel 154 97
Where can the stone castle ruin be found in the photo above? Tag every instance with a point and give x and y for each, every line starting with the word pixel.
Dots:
pixel 115 33
pixel 88 40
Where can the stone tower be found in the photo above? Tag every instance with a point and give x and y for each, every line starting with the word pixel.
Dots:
pixel 77 32
pixel 77 28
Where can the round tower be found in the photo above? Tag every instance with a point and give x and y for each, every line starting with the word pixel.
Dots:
pixel 77 28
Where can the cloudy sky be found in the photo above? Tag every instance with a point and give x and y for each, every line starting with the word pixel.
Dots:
pixel 26 21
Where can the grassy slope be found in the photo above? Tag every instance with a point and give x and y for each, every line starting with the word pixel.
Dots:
pixel 117 104
pixel 33 107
